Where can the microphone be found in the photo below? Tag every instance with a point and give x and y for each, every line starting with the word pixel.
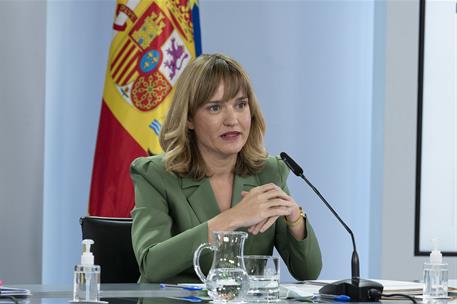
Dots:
pixel 357 289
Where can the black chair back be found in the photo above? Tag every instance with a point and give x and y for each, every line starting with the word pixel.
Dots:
pixel 112 247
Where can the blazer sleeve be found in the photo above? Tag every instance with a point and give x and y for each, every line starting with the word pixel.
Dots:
pixel 302 257
pixel 160 253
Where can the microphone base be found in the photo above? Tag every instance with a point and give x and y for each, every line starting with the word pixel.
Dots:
pixel 357 289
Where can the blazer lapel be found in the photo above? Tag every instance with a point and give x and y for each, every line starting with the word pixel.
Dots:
pixel 200 197
pixel 241 183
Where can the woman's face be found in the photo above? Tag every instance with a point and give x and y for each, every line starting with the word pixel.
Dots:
pixel 222 127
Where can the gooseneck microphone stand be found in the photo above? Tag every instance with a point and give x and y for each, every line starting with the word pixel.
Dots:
pixel 357 289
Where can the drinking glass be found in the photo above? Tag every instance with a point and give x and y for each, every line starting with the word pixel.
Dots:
pixel 263 273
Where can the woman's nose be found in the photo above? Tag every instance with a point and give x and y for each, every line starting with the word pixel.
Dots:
pixel 230 118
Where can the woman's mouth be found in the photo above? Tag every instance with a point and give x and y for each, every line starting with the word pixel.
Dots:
pixel 230 135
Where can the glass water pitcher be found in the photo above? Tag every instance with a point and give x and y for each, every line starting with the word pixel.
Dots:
pixel 227 280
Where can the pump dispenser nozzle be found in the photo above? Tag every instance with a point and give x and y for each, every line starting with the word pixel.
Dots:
pixel 435 256
pixel 87 258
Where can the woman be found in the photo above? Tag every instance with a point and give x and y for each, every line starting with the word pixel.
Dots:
pixel 215 175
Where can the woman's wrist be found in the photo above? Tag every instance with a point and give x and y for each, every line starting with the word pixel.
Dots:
pixel 223 221
pixel 298 226
pixel 295 215
pixel 300 218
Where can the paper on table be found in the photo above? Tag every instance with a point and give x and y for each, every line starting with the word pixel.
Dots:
pixel 391 286
pixel 452 284
pixel 14 292
pixel 202 286
pixel 298 290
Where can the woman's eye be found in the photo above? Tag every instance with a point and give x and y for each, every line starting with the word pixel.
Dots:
pixel 214 108
pixel 242 104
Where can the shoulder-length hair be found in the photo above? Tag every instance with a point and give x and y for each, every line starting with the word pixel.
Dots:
pixel 196 85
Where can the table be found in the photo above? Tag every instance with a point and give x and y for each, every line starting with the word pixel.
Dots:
pixel 115 293
pixel 124 294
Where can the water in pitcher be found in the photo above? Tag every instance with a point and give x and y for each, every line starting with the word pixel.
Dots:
pixel 227 284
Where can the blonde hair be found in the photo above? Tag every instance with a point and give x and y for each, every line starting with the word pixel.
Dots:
pixel 196 85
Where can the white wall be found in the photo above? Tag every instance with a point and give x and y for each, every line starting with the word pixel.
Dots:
pixel 377 140
pixel 78 40
pixel 22 89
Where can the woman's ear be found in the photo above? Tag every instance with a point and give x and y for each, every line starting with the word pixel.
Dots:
pixel 190 124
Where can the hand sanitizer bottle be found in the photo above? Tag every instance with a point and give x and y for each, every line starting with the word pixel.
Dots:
pixel 435 275
pixel 86 283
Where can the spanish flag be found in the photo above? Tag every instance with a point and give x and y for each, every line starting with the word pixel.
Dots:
pixel 153 41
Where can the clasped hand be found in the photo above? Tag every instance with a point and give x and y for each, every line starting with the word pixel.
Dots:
pixel 261 206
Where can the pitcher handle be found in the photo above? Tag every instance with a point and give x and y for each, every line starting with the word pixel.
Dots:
pixel 197 253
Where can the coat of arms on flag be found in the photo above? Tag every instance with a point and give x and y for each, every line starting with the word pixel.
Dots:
pixel 153 41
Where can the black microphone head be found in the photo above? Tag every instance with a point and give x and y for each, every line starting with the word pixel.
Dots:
pixel 293 166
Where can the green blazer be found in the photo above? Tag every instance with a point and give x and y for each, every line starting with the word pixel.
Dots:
pixel 170 221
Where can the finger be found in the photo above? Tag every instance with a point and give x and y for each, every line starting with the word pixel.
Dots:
pixel 252 230
pixel 265 192
pixel 268 224
pixel 276 193
pixel 264 188
pixel 277 211
pixel 259 226
pixel 279 202
pixel 283 195
pixel 256 228
pixel 275 207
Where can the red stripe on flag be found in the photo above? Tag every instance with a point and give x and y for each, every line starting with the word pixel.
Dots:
pixel 123 59
pixel 129 76
pixel 119 54
pixel 129 66
pixel 111 188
